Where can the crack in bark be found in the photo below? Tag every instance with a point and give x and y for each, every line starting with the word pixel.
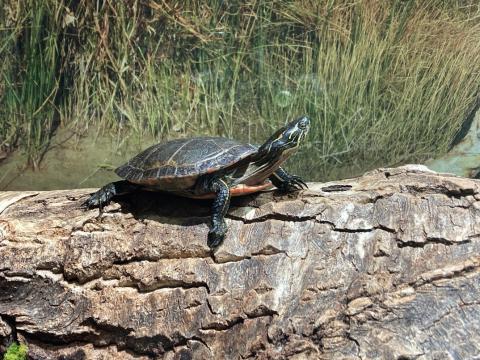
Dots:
pixel 273 216
pixel 440 319
pixel 453 274
pixel 430 240
pixel 210 308
pixel 261 311
pixel 106 335
pixel 354 231
pixel 230 258
pixel 350 337
pixel 48 341
pixel 269 250
pixel 184 342
pixel 155 259
pixel 52 339
pixel 119 336
pixel 166 284
pixel 218 326
pixel 227 259
pixel 5 204
pixel 439 189
pixel 11 321
pixel 91 285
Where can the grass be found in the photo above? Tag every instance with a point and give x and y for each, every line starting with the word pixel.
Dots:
pixel 31 78
pixel 385 82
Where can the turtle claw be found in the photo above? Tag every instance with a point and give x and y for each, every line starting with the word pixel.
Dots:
pixel 294 183
pixel 298 182
pixel 216 236
pixel 100 198
pixel 92 202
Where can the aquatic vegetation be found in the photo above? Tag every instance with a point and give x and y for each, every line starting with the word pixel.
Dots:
pixel 385 82
pixel 31 78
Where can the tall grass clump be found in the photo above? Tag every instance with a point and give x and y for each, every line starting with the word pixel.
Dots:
pixel 385 82
pixel 31 77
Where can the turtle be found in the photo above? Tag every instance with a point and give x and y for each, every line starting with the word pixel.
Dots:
pixel 210 167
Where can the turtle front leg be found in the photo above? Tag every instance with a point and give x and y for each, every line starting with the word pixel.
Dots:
pixel 286 182
pixel 106 193
pixel 219 209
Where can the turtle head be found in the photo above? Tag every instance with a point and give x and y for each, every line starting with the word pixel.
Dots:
pixel 286 139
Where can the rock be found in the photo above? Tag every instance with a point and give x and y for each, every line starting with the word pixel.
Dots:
pixel 463 158
pixel 382 266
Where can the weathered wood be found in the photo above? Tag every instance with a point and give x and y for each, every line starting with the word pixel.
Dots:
pixel 387 269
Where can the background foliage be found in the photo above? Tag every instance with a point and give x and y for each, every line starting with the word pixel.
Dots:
pixel 384 81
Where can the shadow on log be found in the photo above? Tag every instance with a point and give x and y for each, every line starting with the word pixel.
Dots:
pixel 383 266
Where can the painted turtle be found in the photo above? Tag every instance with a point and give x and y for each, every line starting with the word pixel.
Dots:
pixel 210 167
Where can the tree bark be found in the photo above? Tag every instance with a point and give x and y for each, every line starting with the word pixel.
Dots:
pixel 385 266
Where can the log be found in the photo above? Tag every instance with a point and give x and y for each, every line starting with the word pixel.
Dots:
pixel 382 266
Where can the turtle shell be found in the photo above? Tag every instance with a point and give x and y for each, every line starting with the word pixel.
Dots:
pixel 175 165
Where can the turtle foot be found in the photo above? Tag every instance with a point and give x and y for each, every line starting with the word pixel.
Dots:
pixel 100 198
pixel 216 236
pixel 293 183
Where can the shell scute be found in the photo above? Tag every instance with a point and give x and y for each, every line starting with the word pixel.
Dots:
pixel 183 160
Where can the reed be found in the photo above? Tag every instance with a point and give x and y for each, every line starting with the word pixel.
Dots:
pixel 385 82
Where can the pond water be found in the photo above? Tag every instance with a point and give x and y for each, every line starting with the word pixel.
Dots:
pixel 88 161
pixel 464 157
pixel 71 162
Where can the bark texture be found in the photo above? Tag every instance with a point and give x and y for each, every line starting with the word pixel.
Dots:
pixel 386 266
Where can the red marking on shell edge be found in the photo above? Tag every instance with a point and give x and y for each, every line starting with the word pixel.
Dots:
pixel 239 190
pixel 148 182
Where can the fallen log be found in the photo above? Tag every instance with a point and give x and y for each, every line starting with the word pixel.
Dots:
pixel 382 266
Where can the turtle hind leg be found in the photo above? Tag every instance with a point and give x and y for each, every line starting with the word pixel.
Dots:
pixel 106 193
pixel 219 210
pixel 286 182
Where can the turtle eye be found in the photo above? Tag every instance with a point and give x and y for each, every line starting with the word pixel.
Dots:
pixel 303 123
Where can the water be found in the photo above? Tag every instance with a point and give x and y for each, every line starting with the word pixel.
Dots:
pixel 72 162
pixel 464 158
pixel 87 162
